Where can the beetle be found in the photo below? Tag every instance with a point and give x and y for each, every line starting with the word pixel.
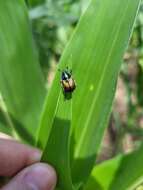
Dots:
pixel 67 81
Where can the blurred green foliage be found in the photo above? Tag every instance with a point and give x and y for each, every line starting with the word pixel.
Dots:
pixel 53 23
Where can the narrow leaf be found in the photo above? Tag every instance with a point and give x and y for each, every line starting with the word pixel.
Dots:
pixel 21 81
pixel 130 172
pixel 56 151
pixel 124 172
pixel 103 174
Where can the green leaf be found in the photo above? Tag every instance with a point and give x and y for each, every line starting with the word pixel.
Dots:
pixel 130 172
pixel 21 81
pixel 95 52
pixel 124 172
pixel 49 112
pixel 103 174
pixel 56 151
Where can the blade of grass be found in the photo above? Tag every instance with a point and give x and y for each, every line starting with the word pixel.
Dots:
pixel 103 174
pixel 56 151
pixel 49 112
pixel 21 81
pixel 120 173
pixel 130 172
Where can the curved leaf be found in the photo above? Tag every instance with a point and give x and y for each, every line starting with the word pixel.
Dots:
pixel 21 81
